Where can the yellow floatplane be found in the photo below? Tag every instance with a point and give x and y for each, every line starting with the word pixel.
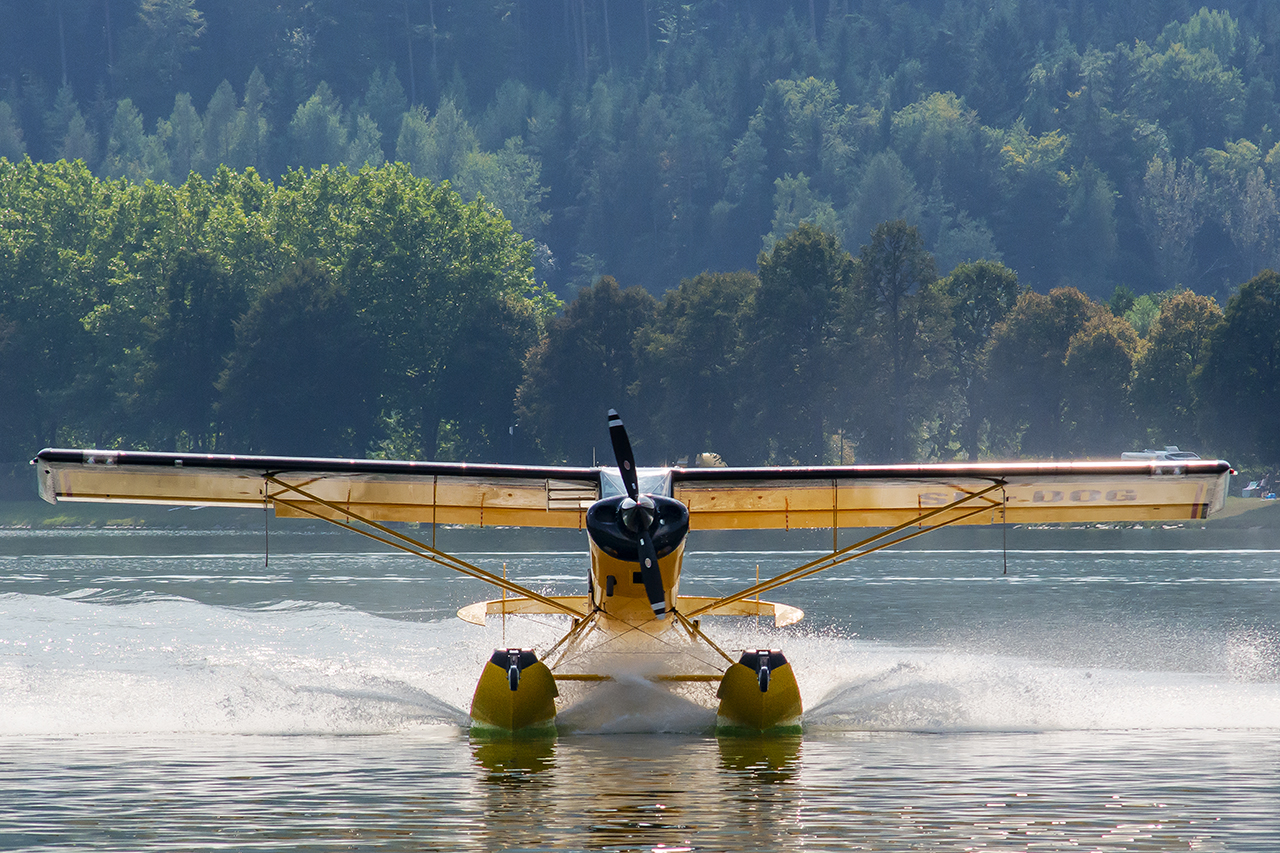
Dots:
pixel 633 618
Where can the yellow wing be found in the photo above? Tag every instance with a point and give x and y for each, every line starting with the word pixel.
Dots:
pixel 717 498
pixel 444 493
pixel 888 495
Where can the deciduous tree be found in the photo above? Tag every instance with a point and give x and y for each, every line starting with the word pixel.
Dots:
pixel 302 377
pixel 692 374
pixel 1163 396
pixel 900 317
pixel 1238 384
pixel 586 365
pixel 1025 368
pixel 186 351
pixel 427 273
pixel 791 336
pixel 981 294
pixel 1097 372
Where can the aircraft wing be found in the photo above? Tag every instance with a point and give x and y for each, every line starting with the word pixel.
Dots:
pixel 717 498
pixel 889 495
pixel 382 490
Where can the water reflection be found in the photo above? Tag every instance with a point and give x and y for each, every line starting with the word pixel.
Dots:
pixel 761 760
pixel 1113 792
pixel 513 760
pixel 637 792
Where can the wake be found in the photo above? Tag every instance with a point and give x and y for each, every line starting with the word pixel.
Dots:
pixel 74 665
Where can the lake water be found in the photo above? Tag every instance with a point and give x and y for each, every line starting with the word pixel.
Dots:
pixel 169 691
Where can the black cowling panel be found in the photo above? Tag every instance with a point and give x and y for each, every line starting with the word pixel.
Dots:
pixel 671 525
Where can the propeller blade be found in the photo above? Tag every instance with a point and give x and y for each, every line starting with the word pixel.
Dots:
pixel 651 575
pixel 640 515
pixel 622 453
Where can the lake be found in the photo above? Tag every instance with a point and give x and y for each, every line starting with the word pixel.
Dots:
pixel 168 690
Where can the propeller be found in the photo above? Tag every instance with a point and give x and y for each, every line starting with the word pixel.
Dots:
pixel 637 513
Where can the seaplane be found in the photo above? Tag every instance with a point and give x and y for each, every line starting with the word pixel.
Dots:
pixel 633 618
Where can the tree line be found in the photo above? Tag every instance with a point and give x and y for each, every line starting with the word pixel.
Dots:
pixel 378 313
pixel 332 313
pixel 823 357
pixel 1083 144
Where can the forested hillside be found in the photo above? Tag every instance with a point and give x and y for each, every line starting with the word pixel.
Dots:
pixel 1088 144
pixel 377 313
pixel 782 231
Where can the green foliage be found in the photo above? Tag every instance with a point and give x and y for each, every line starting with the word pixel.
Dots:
pixel 219 126
pixel 943 140
pixel 792 332
pixel 12 145
pixel 377 312
pixel 648 142
pixel 366 147
pixel 422 267
pixel 794 203
pixel 1097 371
pixel 1238 382
pixel 249 130
pixel 436 148
pixel 384 101
pixel 131 153
pixel 1025 369
pixel 1142 313
pixel 1174 204
pixel 586 364
pixel 1089 223
pixel 182 136
pixel 49 218
pixel 1195 97
pixel 886 192
pixel 1122 300
pixel 651 142
pixel 118 301
pixel 191 334
pixel 1163 395
pixel 80 143
pixel 1215 31
pixel 901 318
pixel 317 135
pixel 693 377
pixel 813 128
pixel 511 181
pixel 980 296
pixel 170 30
pixel 302 375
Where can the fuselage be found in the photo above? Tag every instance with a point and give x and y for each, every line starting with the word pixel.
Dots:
pixel 616 587
pixel 616 584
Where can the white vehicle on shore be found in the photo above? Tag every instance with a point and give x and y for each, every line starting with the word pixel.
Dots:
pixel 1170 452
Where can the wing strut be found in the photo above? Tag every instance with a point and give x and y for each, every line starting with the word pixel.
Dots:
pixel 410 545
pixel 851 552
pixel 695 632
